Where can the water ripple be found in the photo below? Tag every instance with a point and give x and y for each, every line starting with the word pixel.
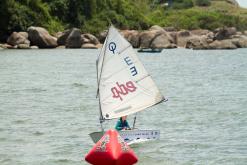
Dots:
pixel 48 107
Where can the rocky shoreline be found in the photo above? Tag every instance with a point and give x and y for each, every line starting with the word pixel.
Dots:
pixel 155 37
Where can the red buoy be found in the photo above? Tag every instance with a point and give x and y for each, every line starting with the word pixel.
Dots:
pixel 111 150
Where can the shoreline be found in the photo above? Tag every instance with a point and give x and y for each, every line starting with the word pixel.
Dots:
pixel 154 38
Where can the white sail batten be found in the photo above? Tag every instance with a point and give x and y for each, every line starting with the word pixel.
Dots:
pixel 124 85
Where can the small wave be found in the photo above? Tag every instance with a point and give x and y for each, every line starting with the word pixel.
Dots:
pixel 63 160
pixel 38 133
pixel 19 140
pixel 5 160
pixel 3 139
pixel 35 90
pixel 79 85
pixel 73 137
pixel 20 121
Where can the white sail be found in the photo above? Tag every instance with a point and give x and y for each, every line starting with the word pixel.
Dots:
pixel 124 85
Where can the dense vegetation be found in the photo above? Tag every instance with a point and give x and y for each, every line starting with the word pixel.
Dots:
pixel 95 15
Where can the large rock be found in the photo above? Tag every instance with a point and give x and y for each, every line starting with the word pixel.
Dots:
pixel 23 46
pixel 157 37
pixel 74 39
pixel 58 35
pixel 102 35
pixel 18 38
pixel 162 41
pixel 6 46
pixel 70 38
pixel 34 47
pixel 173 36
pixel 156 28
pixel 24 34
pixel 89 38
pixel 239 33
pixel 41 37
pixel 240 42
pixel 170 46
pixel 61 40
pixel 197 42
pixel 89 46
pixel 210 36
pixel 147 37
pixel 184 33
pixel 132 36
pixel 222 44
pixel 199 32
pixel 225 33
pixel 182 38
pixel 134 39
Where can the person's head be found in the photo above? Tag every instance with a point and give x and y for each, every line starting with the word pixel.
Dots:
pixel 123 118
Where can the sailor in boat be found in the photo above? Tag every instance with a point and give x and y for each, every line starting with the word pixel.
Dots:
pixel 122 124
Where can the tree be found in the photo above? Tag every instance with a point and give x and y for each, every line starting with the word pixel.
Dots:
pixel 74 13
pixel 89 8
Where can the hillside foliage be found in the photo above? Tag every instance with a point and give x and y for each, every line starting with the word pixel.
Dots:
pixel 95 15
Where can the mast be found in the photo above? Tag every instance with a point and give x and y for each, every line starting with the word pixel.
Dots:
pixel 101 118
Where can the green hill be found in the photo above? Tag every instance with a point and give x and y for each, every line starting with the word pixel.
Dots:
pixel 95 15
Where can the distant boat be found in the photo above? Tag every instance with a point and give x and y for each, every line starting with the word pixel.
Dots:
pixel 124 87
pixel 150 50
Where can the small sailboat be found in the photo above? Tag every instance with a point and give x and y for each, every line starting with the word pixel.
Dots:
pixel 124 86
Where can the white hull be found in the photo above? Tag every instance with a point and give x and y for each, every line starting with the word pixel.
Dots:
pixel 131 136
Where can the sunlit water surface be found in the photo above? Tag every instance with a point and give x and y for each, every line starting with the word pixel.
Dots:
pixel 48 107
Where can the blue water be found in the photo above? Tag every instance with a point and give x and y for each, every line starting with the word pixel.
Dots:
pixel 48 107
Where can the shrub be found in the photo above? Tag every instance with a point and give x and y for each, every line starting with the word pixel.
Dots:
pixel 182 4
pixel 203 2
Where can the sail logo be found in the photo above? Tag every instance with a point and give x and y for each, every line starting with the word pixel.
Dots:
pixel 123 89
pixel 131 65
pixel 112 47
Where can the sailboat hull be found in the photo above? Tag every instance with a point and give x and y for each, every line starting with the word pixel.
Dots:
pixel 131 136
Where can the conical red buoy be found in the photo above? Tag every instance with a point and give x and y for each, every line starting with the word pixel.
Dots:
pixel 111 150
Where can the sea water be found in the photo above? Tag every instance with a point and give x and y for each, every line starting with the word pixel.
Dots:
pixel 48 107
